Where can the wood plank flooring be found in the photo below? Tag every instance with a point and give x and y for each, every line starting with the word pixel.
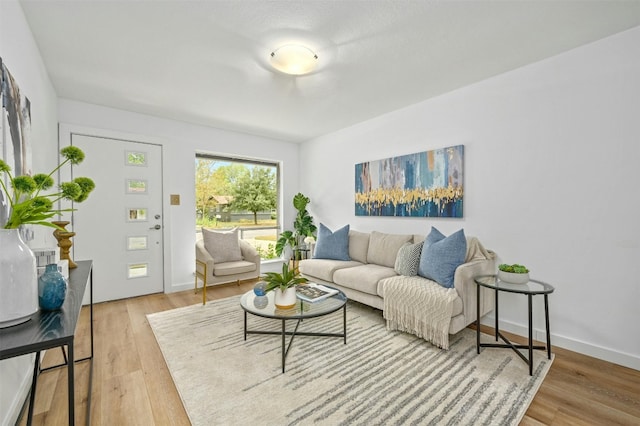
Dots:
pixel 132 386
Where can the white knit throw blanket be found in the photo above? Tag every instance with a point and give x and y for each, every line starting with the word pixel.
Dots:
pixel 419 306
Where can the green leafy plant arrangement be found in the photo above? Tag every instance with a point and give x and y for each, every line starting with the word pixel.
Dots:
pixel 288 278
pixel 514 269
pixel 303 227
pixel 27 203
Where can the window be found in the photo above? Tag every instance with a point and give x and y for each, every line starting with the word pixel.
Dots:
pixel 234 192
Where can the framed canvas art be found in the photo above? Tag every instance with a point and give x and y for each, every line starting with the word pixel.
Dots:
pixel 424 184
pixel 15 126
pixel 16 117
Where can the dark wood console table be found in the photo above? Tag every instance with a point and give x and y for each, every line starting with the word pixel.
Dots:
pixel 52 329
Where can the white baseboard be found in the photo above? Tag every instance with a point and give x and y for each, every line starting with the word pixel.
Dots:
pixel 606 354
pixel 174 288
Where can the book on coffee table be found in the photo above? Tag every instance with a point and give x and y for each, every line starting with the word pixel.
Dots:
pixel 314 292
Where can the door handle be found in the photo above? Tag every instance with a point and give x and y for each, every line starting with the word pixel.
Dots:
pixel 156 227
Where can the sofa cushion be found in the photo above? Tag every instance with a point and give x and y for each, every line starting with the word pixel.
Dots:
pixel 358 246
pixel 332 245
pixel 442 255
pixel 383 248
pixel 408 259
pixel 223 246
pixel 324 268
pixel 363 278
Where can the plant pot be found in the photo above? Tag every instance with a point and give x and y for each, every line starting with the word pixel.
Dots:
pixel 513 278
pixel 286 299
pixel 18 280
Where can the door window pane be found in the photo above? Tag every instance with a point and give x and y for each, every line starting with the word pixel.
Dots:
pixel 136 186
pixel 136 215
pixel 137 270
pixel 135 158
pixel 137 243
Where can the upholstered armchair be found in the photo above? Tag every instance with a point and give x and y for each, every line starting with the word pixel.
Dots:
pixel 222 258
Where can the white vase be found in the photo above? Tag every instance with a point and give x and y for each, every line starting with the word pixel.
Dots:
pixel 18 279
pixel 286 299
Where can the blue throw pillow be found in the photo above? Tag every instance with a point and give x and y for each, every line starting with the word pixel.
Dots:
pixel 332 245
pixel 442 255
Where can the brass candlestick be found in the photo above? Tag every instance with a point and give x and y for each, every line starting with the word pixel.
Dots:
pixel 64 241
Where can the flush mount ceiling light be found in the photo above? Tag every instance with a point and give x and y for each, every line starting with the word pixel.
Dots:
pixel 294 59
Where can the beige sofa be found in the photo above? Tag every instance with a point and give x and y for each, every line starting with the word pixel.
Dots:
pixel 373 256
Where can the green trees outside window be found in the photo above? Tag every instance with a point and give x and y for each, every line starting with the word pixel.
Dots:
pixel 232 193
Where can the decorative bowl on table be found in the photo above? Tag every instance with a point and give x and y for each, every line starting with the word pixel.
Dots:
pixel 515 274
pixel 513 278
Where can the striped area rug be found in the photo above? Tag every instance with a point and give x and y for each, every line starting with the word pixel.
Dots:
pixel 378 378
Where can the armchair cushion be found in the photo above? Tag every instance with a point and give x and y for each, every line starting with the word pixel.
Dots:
pixel 222 245
pixel 233 268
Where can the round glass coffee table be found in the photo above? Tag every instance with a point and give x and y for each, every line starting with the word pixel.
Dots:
pixel 530 289
pixel 301 311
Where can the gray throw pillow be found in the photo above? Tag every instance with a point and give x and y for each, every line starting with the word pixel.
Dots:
pixel 223 246
pixel 408 259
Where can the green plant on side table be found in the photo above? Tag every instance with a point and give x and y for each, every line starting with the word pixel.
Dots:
pixel 516 274
pixel 284 285
pixel 514 269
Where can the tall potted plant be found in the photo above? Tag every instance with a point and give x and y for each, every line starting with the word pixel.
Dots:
pixel 28 204
pixel 303 227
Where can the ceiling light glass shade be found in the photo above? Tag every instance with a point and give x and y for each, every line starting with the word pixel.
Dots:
pixel 294 59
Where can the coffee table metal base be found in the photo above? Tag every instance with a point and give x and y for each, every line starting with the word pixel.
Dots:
pixel 284 333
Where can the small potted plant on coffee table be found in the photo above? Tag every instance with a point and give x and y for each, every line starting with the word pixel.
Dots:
pixel 516 274
pixel 284 285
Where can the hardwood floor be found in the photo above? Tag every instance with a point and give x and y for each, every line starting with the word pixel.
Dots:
pixel 132 386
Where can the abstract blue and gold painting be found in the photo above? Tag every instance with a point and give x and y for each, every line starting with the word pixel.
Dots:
pixel 425 184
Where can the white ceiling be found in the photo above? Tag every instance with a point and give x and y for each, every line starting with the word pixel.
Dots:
pixel 206 62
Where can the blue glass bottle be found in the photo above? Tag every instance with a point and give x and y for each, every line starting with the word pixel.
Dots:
pixel 52 288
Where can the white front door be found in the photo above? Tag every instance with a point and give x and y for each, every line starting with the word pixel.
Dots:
pixel 120 226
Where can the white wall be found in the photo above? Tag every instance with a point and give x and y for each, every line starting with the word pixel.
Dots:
pixel 180 143
pixel 551 175
pixel 21 56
